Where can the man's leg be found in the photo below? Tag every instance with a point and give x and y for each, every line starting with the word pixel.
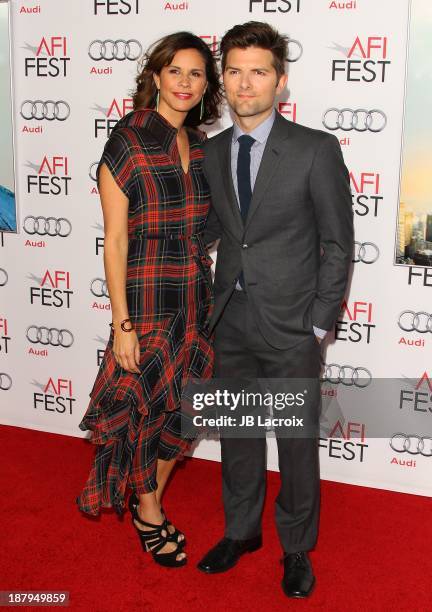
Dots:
pixel 243 459
pixel 297 505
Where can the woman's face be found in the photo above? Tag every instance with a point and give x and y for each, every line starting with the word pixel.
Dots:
pixel 182 83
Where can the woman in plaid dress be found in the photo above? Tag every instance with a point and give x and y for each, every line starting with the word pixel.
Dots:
pixel 155 202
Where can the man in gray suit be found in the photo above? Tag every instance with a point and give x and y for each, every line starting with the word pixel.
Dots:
pixel 281 207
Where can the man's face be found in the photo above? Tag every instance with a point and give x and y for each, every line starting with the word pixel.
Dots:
pixel 251 82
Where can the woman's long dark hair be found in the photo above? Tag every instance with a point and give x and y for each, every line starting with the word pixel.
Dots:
pixel 161 54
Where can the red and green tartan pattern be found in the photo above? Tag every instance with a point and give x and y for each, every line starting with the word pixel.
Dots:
pixel 134 418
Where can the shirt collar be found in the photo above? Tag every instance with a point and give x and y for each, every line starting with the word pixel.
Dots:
pixel 159 127
pixel 260 133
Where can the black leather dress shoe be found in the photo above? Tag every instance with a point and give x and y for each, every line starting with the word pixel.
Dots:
pixel 226 554
pixel 298 580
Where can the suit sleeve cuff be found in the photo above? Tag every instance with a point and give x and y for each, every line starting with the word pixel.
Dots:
pixel 319 332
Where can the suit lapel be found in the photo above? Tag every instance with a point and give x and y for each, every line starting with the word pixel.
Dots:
pixel 225 162
pixel 269 164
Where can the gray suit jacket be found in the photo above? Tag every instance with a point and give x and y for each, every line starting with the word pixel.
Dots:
pixel 296 246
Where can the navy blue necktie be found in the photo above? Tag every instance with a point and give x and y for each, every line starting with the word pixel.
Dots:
pixel 244 181
pixel 243 174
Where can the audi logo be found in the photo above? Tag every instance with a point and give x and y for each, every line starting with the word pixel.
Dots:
pixel 412 444
pixel 45 109
pixel 3 277
pixel 120 50
pixel 47 226
pixel 5 382
pixel 347 375
pixel 49 335
pixel 92 171
pixel 420 322
pixel 365 252
pixel 99 288
pixel 360 120
pixel 295 50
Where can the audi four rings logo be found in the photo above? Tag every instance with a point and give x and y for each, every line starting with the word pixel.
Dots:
pixel 49 335
pixel 3 277
pixel 295 50
pixel 5 382
pixel 347 375
pixel 360 119
pixel 412 444
pixel 47 226
pixel 365 252
pixel 120 50
pixel 420 322
pixel 92 171
pixel 45 109
pixel 99 288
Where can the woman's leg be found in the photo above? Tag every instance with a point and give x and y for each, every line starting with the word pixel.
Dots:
pixel 164 469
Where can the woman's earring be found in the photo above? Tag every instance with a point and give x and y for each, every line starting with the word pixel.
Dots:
pixel 157 101
pixel 202 108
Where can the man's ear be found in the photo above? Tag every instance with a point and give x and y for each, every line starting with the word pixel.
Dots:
pixel 283 80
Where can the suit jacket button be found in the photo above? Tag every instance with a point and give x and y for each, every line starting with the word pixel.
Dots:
pixel 244 246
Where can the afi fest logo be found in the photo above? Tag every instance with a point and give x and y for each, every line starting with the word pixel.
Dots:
pixel 100 240
pixel 52 290
pixel 355 322
pixel 419 397
pixel 54 396
pixel 4 335
pixel 341 442
pixel 420 276
pixel 288 110
pixel 366 193
pixel 117 7
pixel 49 58
pixel 274 6
pixel 100 352
pixel 366 60
pixel 111 114
pixel 50 176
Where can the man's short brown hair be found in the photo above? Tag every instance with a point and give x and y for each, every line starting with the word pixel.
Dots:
pixel 256 34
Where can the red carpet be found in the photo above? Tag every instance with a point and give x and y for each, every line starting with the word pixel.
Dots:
pixel 374 549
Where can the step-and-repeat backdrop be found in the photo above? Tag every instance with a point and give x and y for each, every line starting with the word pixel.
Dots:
pixel 74 65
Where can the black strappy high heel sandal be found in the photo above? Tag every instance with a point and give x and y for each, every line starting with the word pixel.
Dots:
pixel 172 537
pixel 153 541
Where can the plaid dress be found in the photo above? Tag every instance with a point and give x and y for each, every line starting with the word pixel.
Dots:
pixel 169 298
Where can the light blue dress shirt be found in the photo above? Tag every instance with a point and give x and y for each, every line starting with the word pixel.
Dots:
pixel 260 135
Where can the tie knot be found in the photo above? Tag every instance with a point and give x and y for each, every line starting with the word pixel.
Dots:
pixel 246 141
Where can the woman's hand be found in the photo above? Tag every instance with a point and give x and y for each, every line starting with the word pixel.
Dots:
pixel 126 350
